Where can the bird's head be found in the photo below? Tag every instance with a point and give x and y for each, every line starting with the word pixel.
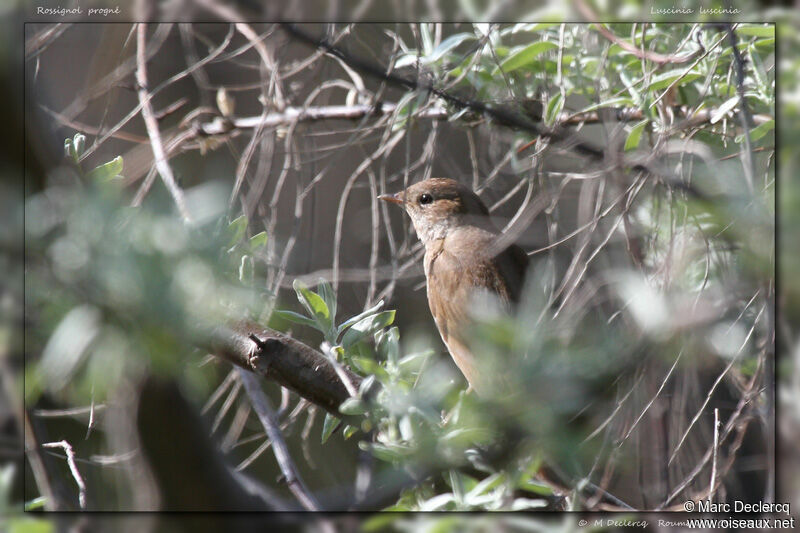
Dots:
pixel 437 205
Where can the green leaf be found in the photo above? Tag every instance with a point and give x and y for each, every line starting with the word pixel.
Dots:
pixel 79 143
pixel 353 406
pixel 524 57
pixel 366 385
pixel 366 326
pixel 350 321
pixel 315 306
pixel 758 132
pixel 329 426
pixel 414 361
pixel 349 431
pixel 388 344
pixel 297 318
pixel 631 86
pixel 554 107
pixel 765 42
pixel 635 136
pixel 325 291
pixel 614 102
pixel 73 148
pixel 386 452
pixel 485 485
pixel 756 30
pixel 236 230
pixel 447 45
pixel 107 171
pixel 724 108
pixel 365 365
pixel 527 27
pixel 36 503
pixel 257 241
pixel 531 485
pixel 665 79
pixel 246 269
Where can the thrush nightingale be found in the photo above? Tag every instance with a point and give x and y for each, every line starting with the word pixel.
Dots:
pixel 464 256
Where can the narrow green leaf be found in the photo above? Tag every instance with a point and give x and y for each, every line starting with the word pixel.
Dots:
pixel 366 326
pixel 723 109
pixel 350 321
pixel 770 42
pixel 635 136
pixel 447 45
pixel 388 343
pixel 407 60
pixel 524 57
pixel 554 107
pixel 246 269
pixel 527 27
pixel 314 304
pixel 257 241
pixel 366 385
pixel 531 485
pixel 349 431
pixel 485 485
pixel 79 142
pixel 388 453
pixel 353 406
pixel 236 230
pixel 756 30
pixel 364 365
pixel 758 132
pixel 325 291
pixel 35 504
pixel 329 426
pixel 107 171
pixel 427 37
pixel 414 361
pixel 297 318
pixel 665 79
pixel 614 102
pixel 631 86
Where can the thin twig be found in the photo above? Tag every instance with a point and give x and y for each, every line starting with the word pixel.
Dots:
pixel 744 112
pixel 73 468
pixel 714 458
pixel 152 126
pixel 266 415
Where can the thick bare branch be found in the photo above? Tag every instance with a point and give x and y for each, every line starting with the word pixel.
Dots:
pixel 286 361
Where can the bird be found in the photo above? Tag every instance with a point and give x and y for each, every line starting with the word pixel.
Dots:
pixel 464 256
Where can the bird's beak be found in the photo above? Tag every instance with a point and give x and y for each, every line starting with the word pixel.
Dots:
pixel 393 198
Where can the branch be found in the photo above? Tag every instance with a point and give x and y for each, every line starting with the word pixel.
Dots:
pixel 506 116
pixel 266 416
pixel 188 468
pixel 288 362
pixel 151 124
pixel 73 468
pixel 291 115
pixel 655 57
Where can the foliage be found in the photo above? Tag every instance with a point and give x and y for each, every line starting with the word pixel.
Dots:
pixel 659 256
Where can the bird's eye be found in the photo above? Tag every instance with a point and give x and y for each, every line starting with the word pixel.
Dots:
pixel 425 199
